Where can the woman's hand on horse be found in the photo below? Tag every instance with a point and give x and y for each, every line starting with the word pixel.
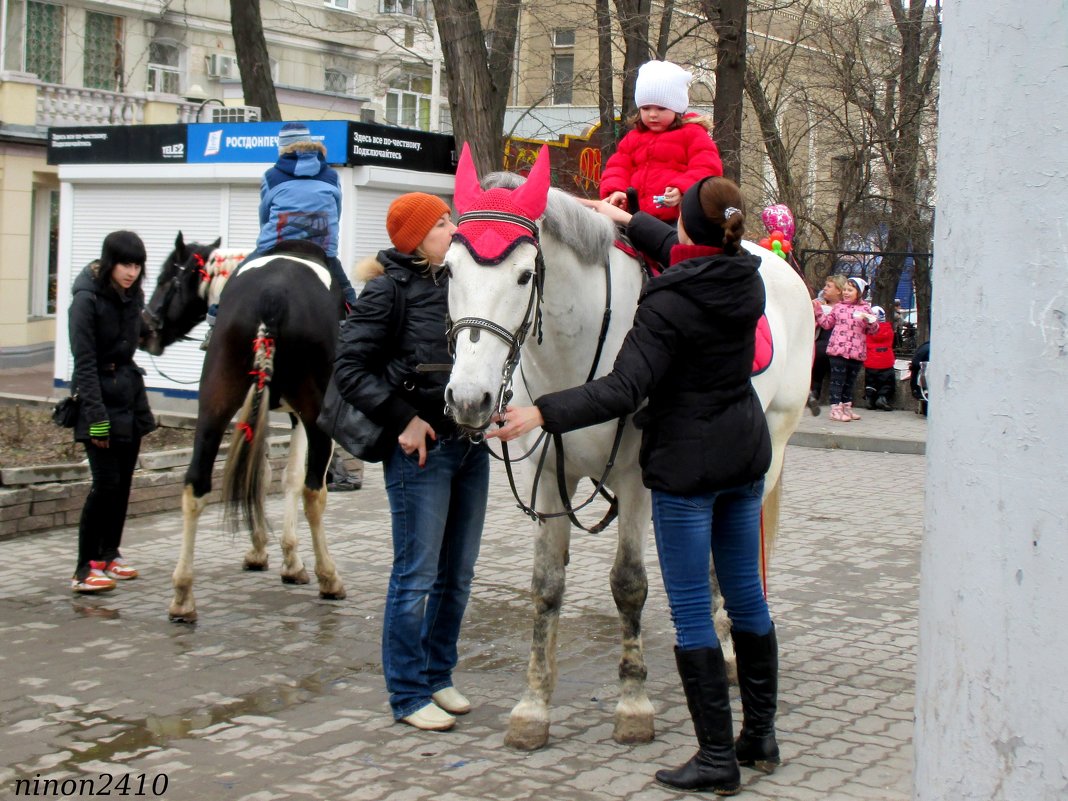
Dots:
pixel 609 209
pixel 516 421
pixel 413 438
pixel 618 199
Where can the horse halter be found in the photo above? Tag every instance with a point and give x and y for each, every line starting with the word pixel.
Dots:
pixel 532 315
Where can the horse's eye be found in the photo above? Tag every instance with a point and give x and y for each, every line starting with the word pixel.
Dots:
pixel 524 279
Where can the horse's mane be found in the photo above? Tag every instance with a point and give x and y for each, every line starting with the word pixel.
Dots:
pixel 588 234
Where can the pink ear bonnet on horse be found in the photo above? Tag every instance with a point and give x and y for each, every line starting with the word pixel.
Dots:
pixel 488 233
pixel 778 218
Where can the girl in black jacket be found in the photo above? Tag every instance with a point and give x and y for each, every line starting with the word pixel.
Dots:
pixel 705 449
pixel 392 364
pixel 105 329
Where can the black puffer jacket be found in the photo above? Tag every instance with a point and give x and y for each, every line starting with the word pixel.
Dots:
pixel 105 328
pixel 690 352
pixel 379 352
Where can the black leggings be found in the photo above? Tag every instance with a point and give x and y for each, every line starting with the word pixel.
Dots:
pixel 843 375
pixel 104 513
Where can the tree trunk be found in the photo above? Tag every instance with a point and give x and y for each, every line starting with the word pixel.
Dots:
pixel 478 81
pixel 634 22
pixel 729 19
pixel 257 85
pixel 605 93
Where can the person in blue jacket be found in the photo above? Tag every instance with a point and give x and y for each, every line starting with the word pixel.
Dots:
pixel 300 198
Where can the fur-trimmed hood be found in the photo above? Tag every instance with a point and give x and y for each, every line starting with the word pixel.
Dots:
pixel 369 267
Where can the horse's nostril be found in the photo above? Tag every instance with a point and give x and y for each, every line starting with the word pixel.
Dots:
pixel 487 399
pixel 448 396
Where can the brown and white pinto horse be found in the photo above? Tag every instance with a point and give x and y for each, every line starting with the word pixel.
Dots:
pixel 527 258
pixel 273 347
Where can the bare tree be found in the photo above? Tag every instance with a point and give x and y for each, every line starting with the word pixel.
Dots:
pixel 887 71
pixel 479 79
pixel 257 85
pixel 729 18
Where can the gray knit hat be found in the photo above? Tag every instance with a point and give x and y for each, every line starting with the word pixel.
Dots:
pixel 291 133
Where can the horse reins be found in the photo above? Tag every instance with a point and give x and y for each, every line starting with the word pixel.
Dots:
pixel 515 343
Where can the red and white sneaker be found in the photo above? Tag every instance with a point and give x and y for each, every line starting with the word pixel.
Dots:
pixel 96 581
pixel 118 570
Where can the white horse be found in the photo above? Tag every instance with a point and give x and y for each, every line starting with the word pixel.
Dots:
pixel 499 285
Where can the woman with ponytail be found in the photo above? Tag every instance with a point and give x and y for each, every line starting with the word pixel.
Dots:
pixel 705 449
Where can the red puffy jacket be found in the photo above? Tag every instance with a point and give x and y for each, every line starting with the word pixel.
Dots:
pixel 881 348
pixel 651 162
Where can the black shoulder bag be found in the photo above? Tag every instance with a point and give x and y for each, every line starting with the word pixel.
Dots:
pixel 66 412
pixel 348 426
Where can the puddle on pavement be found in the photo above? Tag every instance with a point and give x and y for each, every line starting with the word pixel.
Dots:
pixel 159 730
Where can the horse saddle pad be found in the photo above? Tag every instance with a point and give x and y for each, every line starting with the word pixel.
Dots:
pixel 765 349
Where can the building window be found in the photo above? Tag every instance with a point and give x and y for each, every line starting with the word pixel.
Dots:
pixel 564 37
pixel 163 72
pixel 563 78
pixel 408 103
pixel 336 81
pixel 44 41
pixel 43 250
pixel 421 9
pixel 103 52
pixel 341 5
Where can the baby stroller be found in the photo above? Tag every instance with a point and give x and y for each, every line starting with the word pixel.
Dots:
pixel 918 377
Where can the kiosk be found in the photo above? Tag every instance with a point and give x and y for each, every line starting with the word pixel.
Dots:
pixel 204 180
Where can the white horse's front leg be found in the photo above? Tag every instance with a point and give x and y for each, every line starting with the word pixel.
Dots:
pixel 630 587
pixel 528 724
pixel 183 607
pixel 293 571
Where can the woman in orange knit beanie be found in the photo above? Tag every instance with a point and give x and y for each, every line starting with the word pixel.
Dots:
pixel 437 480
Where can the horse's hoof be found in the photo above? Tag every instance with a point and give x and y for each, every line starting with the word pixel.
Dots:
pixel 178 615
pixel 254 565
pixel 634 725
pixel 296 578
pixel 332 591
pixel 528 729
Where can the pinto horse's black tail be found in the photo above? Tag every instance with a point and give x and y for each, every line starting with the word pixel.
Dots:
pixel 246 475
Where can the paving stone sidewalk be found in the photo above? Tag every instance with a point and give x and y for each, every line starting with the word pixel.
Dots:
pixel 276 694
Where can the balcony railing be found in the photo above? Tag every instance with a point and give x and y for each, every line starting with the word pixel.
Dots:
pixel 69 106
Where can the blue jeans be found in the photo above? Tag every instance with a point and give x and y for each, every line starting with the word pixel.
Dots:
pixel 438 511
pixel 725 524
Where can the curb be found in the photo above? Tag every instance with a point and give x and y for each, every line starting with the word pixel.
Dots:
pixel 852 442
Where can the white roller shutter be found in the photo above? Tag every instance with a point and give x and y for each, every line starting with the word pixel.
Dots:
pixel 156 214
pixel 244 207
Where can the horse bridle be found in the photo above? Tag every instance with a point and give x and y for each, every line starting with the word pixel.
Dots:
pixel 515 341
pixel 532 315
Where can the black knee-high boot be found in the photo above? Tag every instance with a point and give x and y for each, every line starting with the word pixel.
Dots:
pixel 713 767
pixel 758 680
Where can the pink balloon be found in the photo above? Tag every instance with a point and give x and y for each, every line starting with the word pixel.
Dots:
pixel 778 218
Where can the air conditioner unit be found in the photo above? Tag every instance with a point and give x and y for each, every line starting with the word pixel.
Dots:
pixel 236 114
pixel 221 65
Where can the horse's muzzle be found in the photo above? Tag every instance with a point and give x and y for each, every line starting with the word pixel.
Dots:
pixel 468 406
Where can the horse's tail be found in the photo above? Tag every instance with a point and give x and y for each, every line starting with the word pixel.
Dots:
pixel 246 475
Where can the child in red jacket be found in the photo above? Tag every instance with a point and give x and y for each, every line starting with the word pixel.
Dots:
pixel 879 373
pixel 667 152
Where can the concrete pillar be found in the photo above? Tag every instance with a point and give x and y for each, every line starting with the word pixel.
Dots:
pixel 992 684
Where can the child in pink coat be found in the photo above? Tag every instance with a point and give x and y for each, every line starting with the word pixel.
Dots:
pixel 667 151
pixel 850 322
